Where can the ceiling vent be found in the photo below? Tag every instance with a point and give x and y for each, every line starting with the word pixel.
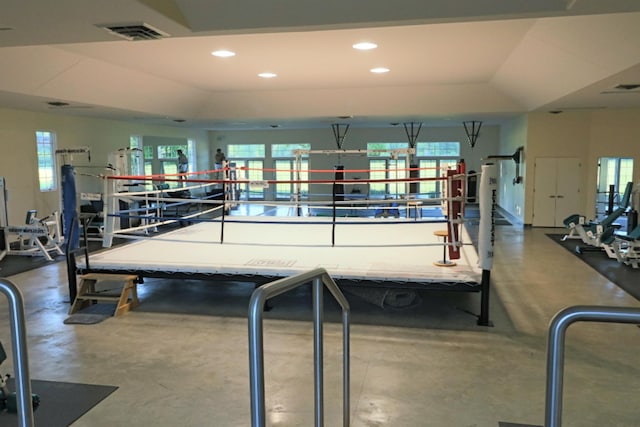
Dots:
pixel 624 88
pixel 61 105
pixel 135 32
pixel 58 104
pixel 628 86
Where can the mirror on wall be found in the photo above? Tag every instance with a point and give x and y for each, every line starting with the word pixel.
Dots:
pixel 613 175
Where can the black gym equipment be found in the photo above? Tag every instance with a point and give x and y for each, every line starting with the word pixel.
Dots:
pixel 517 157
pixel 8 401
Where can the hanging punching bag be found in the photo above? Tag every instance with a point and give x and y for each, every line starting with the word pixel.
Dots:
pixel 69 207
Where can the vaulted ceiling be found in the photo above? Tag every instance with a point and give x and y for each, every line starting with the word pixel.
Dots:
pixel 447 61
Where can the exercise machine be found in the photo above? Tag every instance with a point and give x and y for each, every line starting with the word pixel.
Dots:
pixel 626 247
pixel 595 233
pixel 8 401
pixel 37 236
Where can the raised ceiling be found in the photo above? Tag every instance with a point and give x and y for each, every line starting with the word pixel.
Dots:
pixel 448 61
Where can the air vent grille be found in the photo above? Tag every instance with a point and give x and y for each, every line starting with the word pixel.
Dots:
pixel 628 86
pixel 58 104
pixel 135 32
pixel 623 88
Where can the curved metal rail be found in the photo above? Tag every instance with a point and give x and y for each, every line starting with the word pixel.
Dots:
pixel 19 347
pixel 318 277
pixel 555 348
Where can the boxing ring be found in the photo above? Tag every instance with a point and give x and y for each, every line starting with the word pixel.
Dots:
pixel 391 251
pixel 375 250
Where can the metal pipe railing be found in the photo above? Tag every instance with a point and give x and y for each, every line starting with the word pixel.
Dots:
pixel 19 347
pixel 555 348
pixel 318 278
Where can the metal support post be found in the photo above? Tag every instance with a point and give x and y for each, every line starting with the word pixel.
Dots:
pixel 20 356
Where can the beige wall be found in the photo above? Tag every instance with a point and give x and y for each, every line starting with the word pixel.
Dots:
pixel 586 135
pixel 615 134
pixel 18 159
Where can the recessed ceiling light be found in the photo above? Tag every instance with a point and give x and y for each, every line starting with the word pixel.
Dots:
pixel 379 70
pixel 267 75
pixel 223 53
pixel 365 46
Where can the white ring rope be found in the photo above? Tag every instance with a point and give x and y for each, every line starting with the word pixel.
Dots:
pixel 155 203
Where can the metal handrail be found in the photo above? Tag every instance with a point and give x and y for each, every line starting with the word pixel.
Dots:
pixel 555 348
pixel 20 357
pixel 318 277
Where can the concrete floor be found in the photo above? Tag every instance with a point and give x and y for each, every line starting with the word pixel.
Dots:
pixel 181 358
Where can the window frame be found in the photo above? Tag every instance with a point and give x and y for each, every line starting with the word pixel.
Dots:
pixel 47 149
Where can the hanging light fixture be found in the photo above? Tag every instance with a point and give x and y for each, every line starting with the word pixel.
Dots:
pixel 472 128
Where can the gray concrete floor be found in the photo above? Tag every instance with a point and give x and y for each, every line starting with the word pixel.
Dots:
pixel 181 358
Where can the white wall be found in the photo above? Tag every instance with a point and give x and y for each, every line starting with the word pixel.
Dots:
pixel 18 163
pixel 511 197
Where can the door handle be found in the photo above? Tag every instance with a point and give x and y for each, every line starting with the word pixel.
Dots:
pixel 552 197
pixel 560 197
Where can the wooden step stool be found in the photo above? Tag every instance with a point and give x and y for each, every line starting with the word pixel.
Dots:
pixel 88 294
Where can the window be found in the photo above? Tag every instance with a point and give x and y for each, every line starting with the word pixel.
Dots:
pixel 429 169
pixel 137 164
pixel 434 158
pixel 616 172
pixel 438 149
pixel 191 153
pixel 168 157
pixel 251 158
pixel 46 149
pixel 251 170
pixel 384 165
pixel 286 169
pixel 286 150
pixel 382 149
pixel 245 151
pixel 387 169
pixel 148 160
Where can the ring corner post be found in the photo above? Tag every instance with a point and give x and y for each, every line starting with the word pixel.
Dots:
pixel 483 319
pixel 486 236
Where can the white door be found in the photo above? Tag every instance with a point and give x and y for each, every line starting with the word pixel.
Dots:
pixel 567 189
pixel 556 190
pixel 544 192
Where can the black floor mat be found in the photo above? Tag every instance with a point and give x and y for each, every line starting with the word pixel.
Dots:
pixel 15 264
pixel 91 315
pixel 623 276
pixel 61 403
